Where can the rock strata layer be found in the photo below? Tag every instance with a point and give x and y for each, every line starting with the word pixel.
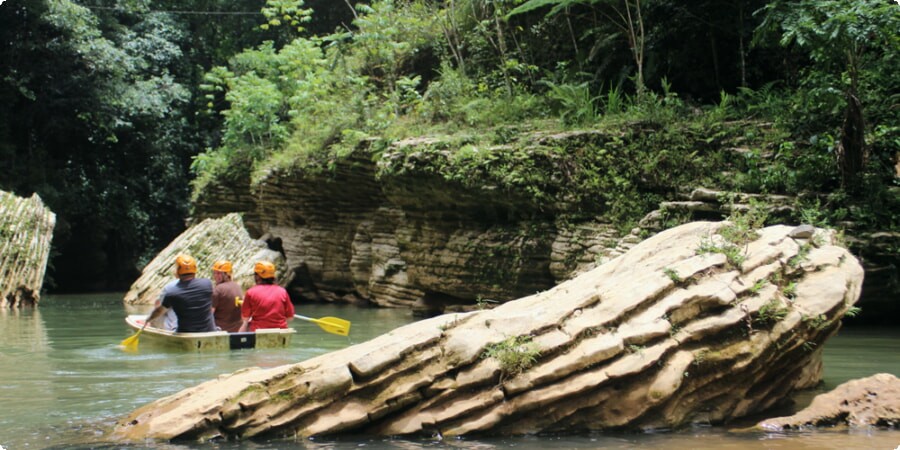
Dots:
pixel 679 329
pixel 867 402
pixel 26 230
pixel 208 241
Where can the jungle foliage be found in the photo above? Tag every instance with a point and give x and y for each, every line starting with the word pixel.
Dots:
pixel 114 111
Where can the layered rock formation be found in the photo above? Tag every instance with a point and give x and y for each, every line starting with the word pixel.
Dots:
pixel 348 238
pixel 703 322
pixel 26 229
pixel 395 231
pixel 867 402
pixel 207 241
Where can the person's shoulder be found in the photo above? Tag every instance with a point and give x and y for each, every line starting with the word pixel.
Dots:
pixel 169 286
pixel 255 288
pixel 199 283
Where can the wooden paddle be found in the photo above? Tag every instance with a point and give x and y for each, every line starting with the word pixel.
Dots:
pixel 331 325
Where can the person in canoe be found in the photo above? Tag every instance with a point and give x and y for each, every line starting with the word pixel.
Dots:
pixel 226 298
pixel 266 305
pixel 190 297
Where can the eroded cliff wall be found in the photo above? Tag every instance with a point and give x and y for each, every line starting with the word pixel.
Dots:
pixel 405 227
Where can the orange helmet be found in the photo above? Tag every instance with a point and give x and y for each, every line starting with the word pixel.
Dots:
pixel 222 265
pixel 264 269
pixel 185 264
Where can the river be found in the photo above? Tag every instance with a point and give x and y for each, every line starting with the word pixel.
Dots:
pixel 64 381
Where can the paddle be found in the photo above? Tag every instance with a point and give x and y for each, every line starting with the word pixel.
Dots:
pixel 131 342
pixel 332 325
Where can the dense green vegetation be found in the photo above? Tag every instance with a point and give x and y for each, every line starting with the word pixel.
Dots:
pixel 113 111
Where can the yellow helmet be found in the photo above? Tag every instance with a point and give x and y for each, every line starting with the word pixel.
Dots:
pixel 222 266
pixel 185 264
pixel 264 269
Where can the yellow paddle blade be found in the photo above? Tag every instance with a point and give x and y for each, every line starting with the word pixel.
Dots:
pixel 334 325
pixel 131 342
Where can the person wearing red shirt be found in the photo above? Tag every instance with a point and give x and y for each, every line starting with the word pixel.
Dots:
pixel 266 305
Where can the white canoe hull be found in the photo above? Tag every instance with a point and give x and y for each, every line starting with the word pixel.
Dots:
pixel 212 340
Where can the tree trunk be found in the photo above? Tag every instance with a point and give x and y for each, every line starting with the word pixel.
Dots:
pixel 851 149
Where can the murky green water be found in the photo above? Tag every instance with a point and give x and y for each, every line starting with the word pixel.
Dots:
pixel 63 380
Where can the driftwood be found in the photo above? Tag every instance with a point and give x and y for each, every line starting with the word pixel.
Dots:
pixel 683 328
pixel 207 241
pixel 26 229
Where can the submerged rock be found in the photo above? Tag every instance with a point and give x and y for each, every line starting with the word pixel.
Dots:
pixel 685 327
pixel 207 241
pixel 867 402
pixel 26 228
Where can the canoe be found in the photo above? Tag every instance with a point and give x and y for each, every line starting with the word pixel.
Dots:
pixel 212 340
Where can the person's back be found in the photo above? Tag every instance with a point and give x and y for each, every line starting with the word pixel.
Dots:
pixel 227 313
pixel 268 305
pixel 192 301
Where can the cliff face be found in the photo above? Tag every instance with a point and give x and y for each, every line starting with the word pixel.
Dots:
pixel 677 330
pixel 409 240
pixel 408 228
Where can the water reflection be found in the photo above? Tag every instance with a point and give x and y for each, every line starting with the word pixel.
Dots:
pixel 25 368
pixel 23 329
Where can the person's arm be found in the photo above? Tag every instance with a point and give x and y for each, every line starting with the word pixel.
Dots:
pixel 216 298
pixel 157 312
pixel 289 307
pixel 245 325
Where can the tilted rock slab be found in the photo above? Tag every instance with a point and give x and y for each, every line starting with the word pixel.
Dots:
pixel 658 337
pixel 26 229
pixel 207 241
pixel 866 402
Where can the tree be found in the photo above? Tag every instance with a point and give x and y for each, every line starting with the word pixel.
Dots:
pixel 626 15
pixel 93 121
pixel 852 45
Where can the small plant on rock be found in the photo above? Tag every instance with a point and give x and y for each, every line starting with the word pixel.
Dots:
pixel 484 303
pixel 733 254
pixel 672 274
pixel 744 223
pixel 771 312
pixel 761 283
pixel 515 354
pixel 818 322
pixel 853 311
pixel 802 255
pixel 790 291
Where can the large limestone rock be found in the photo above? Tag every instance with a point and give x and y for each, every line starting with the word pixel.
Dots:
pixel 26 229
pixel 207 241
pixel 674 331
pixel 867 402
